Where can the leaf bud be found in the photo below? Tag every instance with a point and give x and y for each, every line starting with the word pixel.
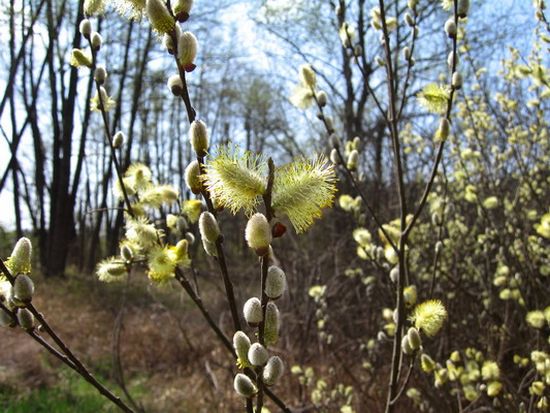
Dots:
pixel 85 28
pixel 25 319
pixel 244 386
pixel 198 136
pixel 278 230
pixel 96 41
pixel 275 282
pixel 193 177
pixel 258 234
pixel 252 311
pixel 23 288
pixel 208 227
pixel 257 355
pixel 273 370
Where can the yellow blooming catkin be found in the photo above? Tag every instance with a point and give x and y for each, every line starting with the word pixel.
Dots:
pixel 429 317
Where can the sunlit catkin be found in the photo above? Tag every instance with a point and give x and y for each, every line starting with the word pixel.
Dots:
pixel 244 386
pixel 273 370
pixel 275 283
pixel 23 288
pixel 198 136
pixel 252 311
pixel 257 355
pixel 208 227
pixel 258 234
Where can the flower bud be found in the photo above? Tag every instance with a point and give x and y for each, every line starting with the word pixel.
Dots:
pixel 258 234
pixel 100 75
pixel 406 346
pixel 96 41
pixel 190 238
pixel 334 140
pixel 175 85
pixel 193 177
pixel 278 230
pixel 438 247
pixel 181 9
pixel 126 253
pixel 357 50
pixel 329 124
pixel 168 43
pixel 252 311
pixel 394 275
pixel 410 295
pixel 275 282
pixel 411 4
pixel 198 136
pixel 273 370
pixel 272 323
pixel 257 354
pixel 463 8
pixel 244 386
pixel 85 28
pixel 159 16
pixel 409 20
pixel 451 62
pixel 118 140
pixel 241 344
pixel 380 61
pixel 443 129
pixel 334 156
pixel 406 53
pixel 209 248
pixel 427 363
pixel 414 338
pixel 450 28
pixel 25 319
pixel 208 227
pixel 20 260
pixel 23 288
pixel 187 50
pixel 353 158
pixel 6 320
pixel 457 80
pixel 322 98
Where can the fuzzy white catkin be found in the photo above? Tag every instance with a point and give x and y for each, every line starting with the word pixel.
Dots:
pixel 457 80
pixel 463 8
pixel 175 85
pixel 5 319
pixel 192 177
pixel 257 355
pixel 187 50
pixel 208 227
pixel 244 386
pixel 100 74
pixel 258 234
pixel 241 344
pixel 198 136
pixel 450 28
pixel 118 140
pixel 275 282
pixel 272 323
pixel 273 370
pixel 414 338
pixel 96 41
pixel 406 345
pixel 23 288
pixel 25 319
pixel 85 28
pixel 252 311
